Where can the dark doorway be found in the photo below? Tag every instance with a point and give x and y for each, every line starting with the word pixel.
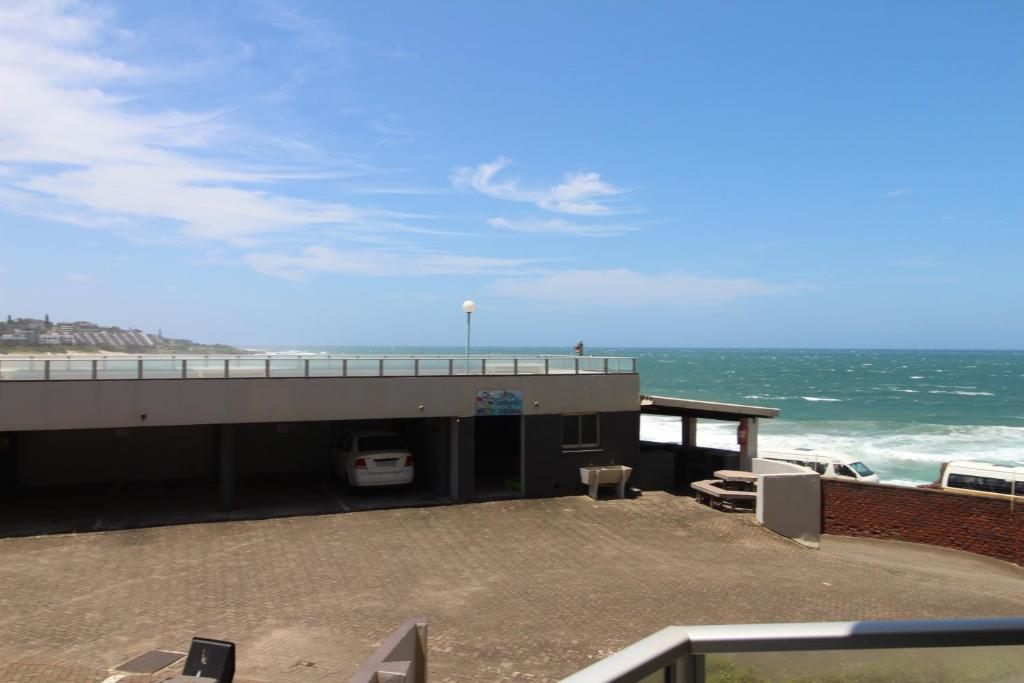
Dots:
pixel 498 446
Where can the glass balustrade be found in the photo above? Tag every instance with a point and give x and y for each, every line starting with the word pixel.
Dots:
pixel 238 367
pixel 952 651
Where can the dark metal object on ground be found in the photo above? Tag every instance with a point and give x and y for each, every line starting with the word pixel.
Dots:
pixel 211 658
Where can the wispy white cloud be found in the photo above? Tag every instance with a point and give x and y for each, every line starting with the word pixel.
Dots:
pixel 390 126
pixel 624 288
pixel 893 194
pixel 319 34
pixel 398 190
pixel 79 278
pixel 75 149
pixel 584 194
pixel 376 263
pixel 557 225
pixel 916 262
pixel 312 31
pixel 80 145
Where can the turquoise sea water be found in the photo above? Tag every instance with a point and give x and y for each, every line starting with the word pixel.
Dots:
pixel 901 412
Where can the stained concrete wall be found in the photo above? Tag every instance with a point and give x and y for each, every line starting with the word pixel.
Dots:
pixel 763 466
pixel 89 404
pixel 789 500
pixel 466 473
pixel 655 467
pixel 554 471
pixel 430 441
pixel 101 455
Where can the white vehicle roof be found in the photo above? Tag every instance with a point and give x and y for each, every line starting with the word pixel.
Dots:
pixel 808 454
pixel 984 469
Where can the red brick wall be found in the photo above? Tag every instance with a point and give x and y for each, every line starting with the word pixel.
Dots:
pixel 953 520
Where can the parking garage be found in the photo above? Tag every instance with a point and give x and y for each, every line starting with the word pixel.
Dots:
pixel 94 453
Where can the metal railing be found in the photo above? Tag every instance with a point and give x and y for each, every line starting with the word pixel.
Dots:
pixel 677 654
pixel 29 368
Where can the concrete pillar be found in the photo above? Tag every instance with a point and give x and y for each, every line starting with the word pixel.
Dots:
pixel 465 462
pixel 749 449
pixel 453 458
pixel 689 432
pixel 226 465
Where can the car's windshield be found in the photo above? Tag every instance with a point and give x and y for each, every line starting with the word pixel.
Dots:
pixel 382 442
pixel 861 469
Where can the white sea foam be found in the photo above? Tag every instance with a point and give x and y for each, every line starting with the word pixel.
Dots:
pixel 917 377
pixel 962 393
pixel 818 398
pixel 295 352
pixel 905 453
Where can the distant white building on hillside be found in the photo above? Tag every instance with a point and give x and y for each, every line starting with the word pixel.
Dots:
pixel 19 336
pixel 100 337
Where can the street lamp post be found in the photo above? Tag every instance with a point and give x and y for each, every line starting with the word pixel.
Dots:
pixel 468 306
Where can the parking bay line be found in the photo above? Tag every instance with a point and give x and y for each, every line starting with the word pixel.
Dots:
pixel 336 497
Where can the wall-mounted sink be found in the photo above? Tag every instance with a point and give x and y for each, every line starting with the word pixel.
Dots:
pixel 599 475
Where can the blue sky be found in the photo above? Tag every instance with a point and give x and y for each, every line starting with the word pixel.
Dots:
pixel 646 174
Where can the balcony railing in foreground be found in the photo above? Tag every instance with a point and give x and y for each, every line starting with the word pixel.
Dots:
pixel 222 367
pixel 677 654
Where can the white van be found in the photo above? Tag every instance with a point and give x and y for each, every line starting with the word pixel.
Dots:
pixel 983 479
pixel 827 465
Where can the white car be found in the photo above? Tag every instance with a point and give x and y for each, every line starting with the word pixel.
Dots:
pixel 828 466
pixel 373 458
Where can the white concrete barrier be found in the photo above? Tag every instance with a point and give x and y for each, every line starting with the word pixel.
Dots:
pixel 789 500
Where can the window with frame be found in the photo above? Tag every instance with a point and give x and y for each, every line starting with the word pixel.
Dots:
pixel 987 484
pixel 844 471
pixel 580 430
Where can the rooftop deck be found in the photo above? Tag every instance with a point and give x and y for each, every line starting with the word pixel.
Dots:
pixel 121 367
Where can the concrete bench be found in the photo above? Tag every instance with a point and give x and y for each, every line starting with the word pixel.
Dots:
pixel 616 475
pixel 711 493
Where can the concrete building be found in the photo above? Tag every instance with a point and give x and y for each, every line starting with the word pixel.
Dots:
pixel 20 336
pixel 116 338
pixel 479 427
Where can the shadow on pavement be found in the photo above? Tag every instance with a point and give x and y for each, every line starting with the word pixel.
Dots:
pixel 132 505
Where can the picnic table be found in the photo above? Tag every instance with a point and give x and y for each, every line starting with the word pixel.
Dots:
pixel 712 492
pixel 737 476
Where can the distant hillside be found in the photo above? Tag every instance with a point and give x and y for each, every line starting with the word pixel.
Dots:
pixel 33 335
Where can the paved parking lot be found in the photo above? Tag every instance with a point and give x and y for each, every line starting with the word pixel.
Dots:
pixel 529 589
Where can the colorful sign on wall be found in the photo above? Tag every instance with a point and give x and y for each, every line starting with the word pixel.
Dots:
pixel 498 402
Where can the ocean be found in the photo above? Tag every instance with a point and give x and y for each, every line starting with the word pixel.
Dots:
pixel 900 412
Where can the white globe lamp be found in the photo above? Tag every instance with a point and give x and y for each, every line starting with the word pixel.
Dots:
pixel 468 306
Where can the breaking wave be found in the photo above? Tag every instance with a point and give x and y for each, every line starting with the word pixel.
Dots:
pixel 900 453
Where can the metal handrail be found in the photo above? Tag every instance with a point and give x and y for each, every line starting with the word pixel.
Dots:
pixel 232 366
pixel 679 650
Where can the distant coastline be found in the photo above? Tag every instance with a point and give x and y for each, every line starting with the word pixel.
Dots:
pixel 39 337
pixel 48 350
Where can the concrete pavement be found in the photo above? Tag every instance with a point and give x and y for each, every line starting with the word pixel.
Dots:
pixel 526 589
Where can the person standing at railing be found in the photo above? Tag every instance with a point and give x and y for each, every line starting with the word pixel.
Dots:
pixel 578 348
